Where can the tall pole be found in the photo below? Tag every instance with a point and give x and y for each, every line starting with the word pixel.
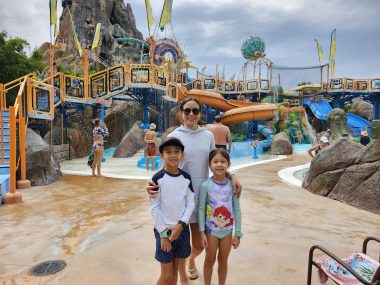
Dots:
pixel 85 73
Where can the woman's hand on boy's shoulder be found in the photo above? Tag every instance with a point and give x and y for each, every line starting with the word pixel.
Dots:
pixel 151 188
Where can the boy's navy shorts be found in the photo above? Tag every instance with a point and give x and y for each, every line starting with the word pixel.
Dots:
pixel 180 247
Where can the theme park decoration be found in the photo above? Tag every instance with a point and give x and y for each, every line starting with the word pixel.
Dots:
pixel 293 122
pixel 253 48
pixel 167 46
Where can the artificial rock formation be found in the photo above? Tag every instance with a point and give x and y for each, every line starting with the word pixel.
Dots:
pixel 281 144
pixel 337 121
pixel 41 166
pixel 120 120
pixel 348 172
pixel 132 142
pixel 117 21
pixel 362 108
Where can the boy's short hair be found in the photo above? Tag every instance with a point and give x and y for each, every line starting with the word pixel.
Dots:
pixel 218 119
pixel 171 142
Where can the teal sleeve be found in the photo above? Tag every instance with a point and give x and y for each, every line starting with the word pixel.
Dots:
pixel 237 213
pixel 202 206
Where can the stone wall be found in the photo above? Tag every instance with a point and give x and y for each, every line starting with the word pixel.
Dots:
pixel 61 152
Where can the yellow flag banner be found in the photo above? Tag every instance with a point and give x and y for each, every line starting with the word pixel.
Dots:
pixel 166 14
pixel 56 31
pixel 149 14
pixel 53 12
pixel 333 45
pixel 96 40
pixel 320 52
pixel 332 67
pixel 79 48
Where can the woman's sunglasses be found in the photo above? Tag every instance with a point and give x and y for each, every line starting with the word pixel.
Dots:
pixel 195 111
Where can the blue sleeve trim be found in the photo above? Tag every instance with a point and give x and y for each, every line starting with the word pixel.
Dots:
pixel 188 177
pixel 158 176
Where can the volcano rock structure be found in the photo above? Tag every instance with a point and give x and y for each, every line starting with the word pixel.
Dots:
pixel 117 21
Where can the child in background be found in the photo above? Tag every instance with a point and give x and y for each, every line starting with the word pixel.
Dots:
pixel 218 213
pixel 171 210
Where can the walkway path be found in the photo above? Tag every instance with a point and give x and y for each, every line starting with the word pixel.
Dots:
pixel 102 228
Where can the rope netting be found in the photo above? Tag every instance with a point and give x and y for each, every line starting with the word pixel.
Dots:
pixel 288 78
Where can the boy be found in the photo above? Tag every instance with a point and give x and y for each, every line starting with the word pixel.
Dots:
pixel 171 210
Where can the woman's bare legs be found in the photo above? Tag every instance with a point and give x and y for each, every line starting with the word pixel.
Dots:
pixel 211 250
pixel 196 249
pixel 100 156
pixel 224 251
pixel 94 162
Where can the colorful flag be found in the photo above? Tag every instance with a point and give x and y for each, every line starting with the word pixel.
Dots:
pixel 166 14
pixel 53 12
pixel 320 52
pixel 96 40
pixel 149 14
pixel 332 67
pixel 333 45
pixel 79 48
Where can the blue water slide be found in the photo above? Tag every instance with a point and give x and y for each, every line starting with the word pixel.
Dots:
pixel 267 133
pixel 320 109
pixel 357 124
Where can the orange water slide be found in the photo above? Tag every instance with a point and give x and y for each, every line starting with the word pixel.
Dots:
pixel 235 111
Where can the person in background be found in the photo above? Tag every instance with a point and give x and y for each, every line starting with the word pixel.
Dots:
pixel 364 138
pixel 100 131
pixel 150 140
pixel 323 143
pixel 221 134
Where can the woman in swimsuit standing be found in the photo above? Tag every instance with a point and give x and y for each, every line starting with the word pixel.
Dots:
pixel 100 131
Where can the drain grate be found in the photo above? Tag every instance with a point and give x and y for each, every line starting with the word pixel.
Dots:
pixel 47 267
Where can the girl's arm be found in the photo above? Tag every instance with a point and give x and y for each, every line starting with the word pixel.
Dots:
pixel 237 215
pixel 202 207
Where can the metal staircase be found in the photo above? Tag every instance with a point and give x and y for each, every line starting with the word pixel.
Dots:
pixel 4 153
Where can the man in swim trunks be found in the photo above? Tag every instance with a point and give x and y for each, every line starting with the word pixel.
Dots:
pixel 150 140
pixel 221 134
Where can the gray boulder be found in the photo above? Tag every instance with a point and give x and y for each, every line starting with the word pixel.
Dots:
pixel 41 166
pixel 362 108
pixel 119 122
pixel 132 142
pixel 337 121
pixel 348 172
pixel 281 144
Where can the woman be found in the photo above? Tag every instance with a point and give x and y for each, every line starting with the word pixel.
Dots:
pixel 99 133
pixel 198 143
pixel 323 143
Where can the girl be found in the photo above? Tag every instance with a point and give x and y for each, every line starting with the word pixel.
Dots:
pixel 99 133
pixel 218 212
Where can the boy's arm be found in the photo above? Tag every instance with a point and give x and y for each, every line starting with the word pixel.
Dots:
pixel 190 205
pixel 156 212
pixel 202 207
pixel 237 215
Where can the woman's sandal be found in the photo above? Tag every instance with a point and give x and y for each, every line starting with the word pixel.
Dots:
pixel 193 274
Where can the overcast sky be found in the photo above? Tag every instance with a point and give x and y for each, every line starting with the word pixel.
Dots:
pixel 215 29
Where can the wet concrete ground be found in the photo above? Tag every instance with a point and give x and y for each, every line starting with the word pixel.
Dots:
pixel 102 228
